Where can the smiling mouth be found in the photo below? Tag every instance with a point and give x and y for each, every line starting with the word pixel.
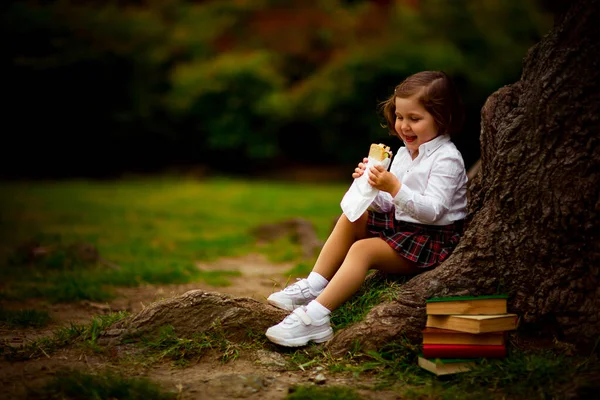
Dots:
pixel 409 139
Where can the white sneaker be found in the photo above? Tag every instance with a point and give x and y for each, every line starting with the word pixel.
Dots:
pixel 297 329
pixel 293 296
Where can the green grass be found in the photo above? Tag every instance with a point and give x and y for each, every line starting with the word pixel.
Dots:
pixel 542 374
pixel 181 350
pixel 24 318
pixel 376 288
pixel 154 229
pixel 75 385
pixel 86 335
pixel 524 374
pixel 167 345
pixel 306 392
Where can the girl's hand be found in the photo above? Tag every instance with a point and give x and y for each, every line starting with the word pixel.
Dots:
pixel 358 171
pixel 384 180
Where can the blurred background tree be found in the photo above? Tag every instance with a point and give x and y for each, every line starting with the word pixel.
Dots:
pixel 99 88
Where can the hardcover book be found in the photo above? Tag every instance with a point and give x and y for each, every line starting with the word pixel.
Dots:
pixel 445 366
pixel 473 323
pixel 471 305
pixel 463 351
pixel 447 336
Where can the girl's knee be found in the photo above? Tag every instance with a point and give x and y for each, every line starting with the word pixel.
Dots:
pixel 361 249
pixel 342 219
pixel 362 220
pixel 358 227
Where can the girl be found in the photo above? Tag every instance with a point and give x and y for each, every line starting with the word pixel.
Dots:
pixel 412 225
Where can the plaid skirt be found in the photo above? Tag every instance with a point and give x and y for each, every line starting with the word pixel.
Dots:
pixel 426 245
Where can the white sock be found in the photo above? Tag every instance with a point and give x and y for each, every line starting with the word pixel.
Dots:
pixel 316 311
pixel 316 281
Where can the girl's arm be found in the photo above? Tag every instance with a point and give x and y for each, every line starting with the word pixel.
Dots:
pixel 383 200
pixel 382 203
pixel 446 176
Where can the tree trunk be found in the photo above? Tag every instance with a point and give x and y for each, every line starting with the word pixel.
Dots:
pixel 534 205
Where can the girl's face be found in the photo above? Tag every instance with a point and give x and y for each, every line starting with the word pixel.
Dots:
pixel 414 124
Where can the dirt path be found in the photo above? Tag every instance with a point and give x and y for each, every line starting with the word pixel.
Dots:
pixel 257 280
pixel 254 375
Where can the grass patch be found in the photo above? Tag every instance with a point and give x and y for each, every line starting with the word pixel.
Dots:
pixel 523 374
pixel 371 293
pixel 307 357
pixel 74 385
pixel 155 230
pixel 87 335
pixel 62 287
pixel 542 374
pixel 282 250
pixel 218 278
pixel 24 318
pixel 393 363
pixel 303 268
pixel 182 351
pixel 309 392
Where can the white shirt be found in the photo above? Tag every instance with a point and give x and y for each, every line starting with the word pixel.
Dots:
pixel 434 185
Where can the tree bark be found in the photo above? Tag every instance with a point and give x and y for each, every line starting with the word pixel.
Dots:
pixel 238 319
pixel 534 205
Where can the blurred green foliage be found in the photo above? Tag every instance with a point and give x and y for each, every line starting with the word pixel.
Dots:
pixel 110 86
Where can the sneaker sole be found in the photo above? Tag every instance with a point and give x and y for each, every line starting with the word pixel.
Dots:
pixel 302 341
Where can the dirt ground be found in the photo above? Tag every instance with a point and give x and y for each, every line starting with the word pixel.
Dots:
pixel 254 375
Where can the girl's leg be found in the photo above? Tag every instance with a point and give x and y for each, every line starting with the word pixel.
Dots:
pixel 366 254
pixel 311 323
pixel 344 234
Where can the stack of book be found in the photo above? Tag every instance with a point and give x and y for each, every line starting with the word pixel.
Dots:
pixel 462 329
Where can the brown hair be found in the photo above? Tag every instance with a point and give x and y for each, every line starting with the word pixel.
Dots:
pixel 437 94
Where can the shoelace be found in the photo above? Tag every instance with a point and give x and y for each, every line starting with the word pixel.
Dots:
pixel 293 287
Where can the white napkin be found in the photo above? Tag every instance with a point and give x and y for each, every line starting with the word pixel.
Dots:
pixel 361 194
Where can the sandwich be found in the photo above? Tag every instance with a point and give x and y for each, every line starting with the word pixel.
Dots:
pixel 380 152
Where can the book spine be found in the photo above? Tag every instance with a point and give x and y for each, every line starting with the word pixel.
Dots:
pixel 467 309
pixel 470 324
pixel 463 351
pixel 445 336
pixel 463 338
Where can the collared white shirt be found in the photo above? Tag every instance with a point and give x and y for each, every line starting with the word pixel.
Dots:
pixel 434 185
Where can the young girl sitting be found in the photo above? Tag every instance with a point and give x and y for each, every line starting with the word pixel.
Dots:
pixel 413 224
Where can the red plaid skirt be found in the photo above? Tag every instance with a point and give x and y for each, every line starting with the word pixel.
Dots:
pixel 426 245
